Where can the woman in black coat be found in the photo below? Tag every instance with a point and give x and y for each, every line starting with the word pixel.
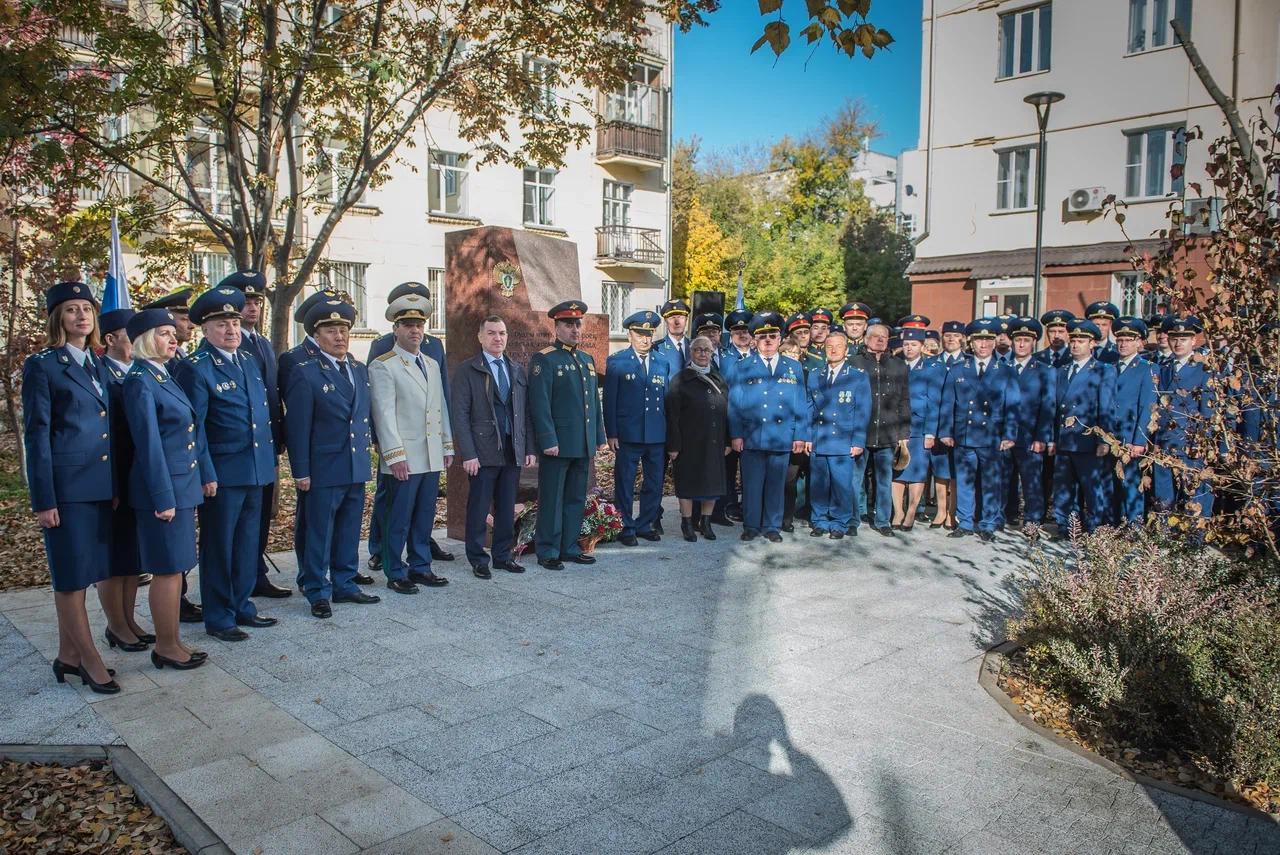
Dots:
pixel 698 438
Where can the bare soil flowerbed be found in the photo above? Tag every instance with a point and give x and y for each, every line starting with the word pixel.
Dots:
pixel 46 808
pixel 1056 713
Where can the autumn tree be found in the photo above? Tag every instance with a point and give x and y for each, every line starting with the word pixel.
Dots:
pixel 876 255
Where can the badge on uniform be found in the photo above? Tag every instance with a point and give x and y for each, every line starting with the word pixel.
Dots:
pixel 844 397
pixel 326 387
pixel 537 368
pixel 559 372
pixel 658 380
pixel 226 387
pixel 628 376
pixel 1069 421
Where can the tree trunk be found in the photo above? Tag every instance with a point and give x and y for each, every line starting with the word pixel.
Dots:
pixel 11 407
pixel 1238 131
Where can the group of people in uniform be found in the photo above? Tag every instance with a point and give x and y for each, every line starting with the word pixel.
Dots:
pixel 145 460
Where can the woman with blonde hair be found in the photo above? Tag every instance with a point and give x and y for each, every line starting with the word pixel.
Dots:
pixel 67 435
pixel 169 461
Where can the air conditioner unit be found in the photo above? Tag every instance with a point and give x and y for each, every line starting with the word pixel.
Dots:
pixel 1086 199
pixel 1201 216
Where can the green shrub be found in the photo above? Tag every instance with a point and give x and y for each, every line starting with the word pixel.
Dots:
pixel 1163 645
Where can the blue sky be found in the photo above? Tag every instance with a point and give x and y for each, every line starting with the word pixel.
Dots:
pixel 728 96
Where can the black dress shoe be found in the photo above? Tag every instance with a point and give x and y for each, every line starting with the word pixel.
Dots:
pixel 231 633
pixel 375 563
pixel 265 588
pixel 704 528
pixel 651 536
pixel 482 572
pixel 748 534
pixel 582 559
pixel 788 527
pixel 165 662
pixel 886 531
pixel 440 554
pixel 960 533
pixel 431 580
pixel 189 612
pixel 257 621
pixel 628 540
pixel 509 566
pixel 986 536
pixel 362 579
pixel 551 563
pixel 127 646
pixel 402 586
pixel 734 514
pixel 773 537
pixel 836 535
pixel 657 527
pixel 146 637
pixel 721 519
pixel 111 687
pixel 321 609
pixel 851 531
pixel 816 532
pixel 62 669
pixel 360 598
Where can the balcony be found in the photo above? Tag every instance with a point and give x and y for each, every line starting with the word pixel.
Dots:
pixel 75 37
pixel 629 247
pixel 633 129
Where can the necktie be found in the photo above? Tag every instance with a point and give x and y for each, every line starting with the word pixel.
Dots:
pixel 93 375
pixel 1123 366
pixel 346 375
pixel 503 387
pixel 831 377
pixel 421 367
pixel 684 355
pixel 644 366
pixel 1075 368
pixel 1020 367
pixel 769 364
pixel 982 369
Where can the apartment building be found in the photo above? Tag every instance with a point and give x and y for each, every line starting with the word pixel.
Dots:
pixel 1130 94
pixel 611 198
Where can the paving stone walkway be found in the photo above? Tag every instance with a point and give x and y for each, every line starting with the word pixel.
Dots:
pixel 807 697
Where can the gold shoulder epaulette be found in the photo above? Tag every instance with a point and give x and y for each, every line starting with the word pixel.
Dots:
pixel 548 349
pixel 390 354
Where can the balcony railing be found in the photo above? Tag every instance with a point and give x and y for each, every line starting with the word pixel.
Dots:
pixel 629 246
pixel 623 139
pixel 632 125
pixel 69 34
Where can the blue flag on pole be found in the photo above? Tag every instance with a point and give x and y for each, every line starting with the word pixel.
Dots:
pixel 116 293
pixel 741 303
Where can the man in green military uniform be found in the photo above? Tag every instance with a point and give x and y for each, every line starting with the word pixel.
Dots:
pixel 569 428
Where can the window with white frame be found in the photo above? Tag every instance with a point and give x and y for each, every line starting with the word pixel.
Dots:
pixel 617 203
pixel 332 173
pixel 1015 178
pixel 1150 155
pixel 209 268
pixel 193 45
pixel 542 72
pixel 907 223
pixel 206 165
pixel 435 284
pixel 616 300
pixel 539 197
pixel 1132 297
pixel 1026 37
pixel 347 276
pixel 640 102
pixel 1150 23
pixel 447 183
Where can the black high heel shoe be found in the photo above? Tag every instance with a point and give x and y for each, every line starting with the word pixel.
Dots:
pixel 704 527
pixel 686 529
pixel 127 646
pixel 111 687
pixel 196 660
pixel 146 637
pixel 62 669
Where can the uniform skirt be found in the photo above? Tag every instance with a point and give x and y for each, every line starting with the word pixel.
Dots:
pixel 78 547
pixel 167 547
pixel 124 545
pixel 940 460
pixel 917 470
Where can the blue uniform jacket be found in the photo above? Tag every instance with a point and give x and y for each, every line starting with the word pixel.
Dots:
pixel 326 427
pixel 635 404
pixel 925 385
pixel 667 348
pixel 1038 391
pixel 1182 394
pixel 839 412
pixel 290 359
pixel 768 413
pixel 730 359
pixel 268 366
pixel 1084 402
pixel 1134 402
pixel 1055 358
pixel 1106 353
pixel 67 431
pixel 979 412
pixel 564 401
pixel 169 450
pixel 231 403
pixel 121 439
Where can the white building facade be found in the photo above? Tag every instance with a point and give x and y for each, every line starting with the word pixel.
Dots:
pixel 1130 94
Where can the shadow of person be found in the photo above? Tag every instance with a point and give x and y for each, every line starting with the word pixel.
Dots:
pixel 806 800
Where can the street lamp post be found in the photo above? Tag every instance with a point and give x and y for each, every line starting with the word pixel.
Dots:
pixel 1042 101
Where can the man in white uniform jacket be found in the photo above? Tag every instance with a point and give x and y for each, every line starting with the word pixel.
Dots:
pixel 415 444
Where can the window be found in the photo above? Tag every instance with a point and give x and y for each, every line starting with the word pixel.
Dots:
pixel 1025 39
pixel 542 74
pixel 332 174
pixel 539 196
pixel 435 284
pixel 1132 298
pixel 1151 158
pixel 447 184
pixel 617 203
pixel 348 276
pixel 616 297
pixel 1015 178
pixel 640 103
pixel 209 268
pixel 206 166
pixel 1149 23
pixel 907 224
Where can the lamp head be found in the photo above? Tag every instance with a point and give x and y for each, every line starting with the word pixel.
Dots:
pixel 1042 101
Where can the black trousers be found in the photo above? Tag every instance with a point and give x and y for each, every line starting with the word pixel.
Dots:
pixel 264 529
pixel 493 488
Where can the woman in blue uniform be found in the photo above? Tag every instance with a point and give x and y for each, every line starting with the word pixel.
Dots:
pixel 66 431
pixel 170 461
pixel 924 385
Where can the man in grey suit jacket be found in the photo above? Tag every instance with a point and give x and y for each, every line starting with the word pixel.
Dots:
pixel 491 431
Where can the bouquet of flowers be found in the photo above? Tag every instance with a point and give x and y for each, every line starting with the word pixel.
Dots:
pixel 526 520
pixel 601 521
